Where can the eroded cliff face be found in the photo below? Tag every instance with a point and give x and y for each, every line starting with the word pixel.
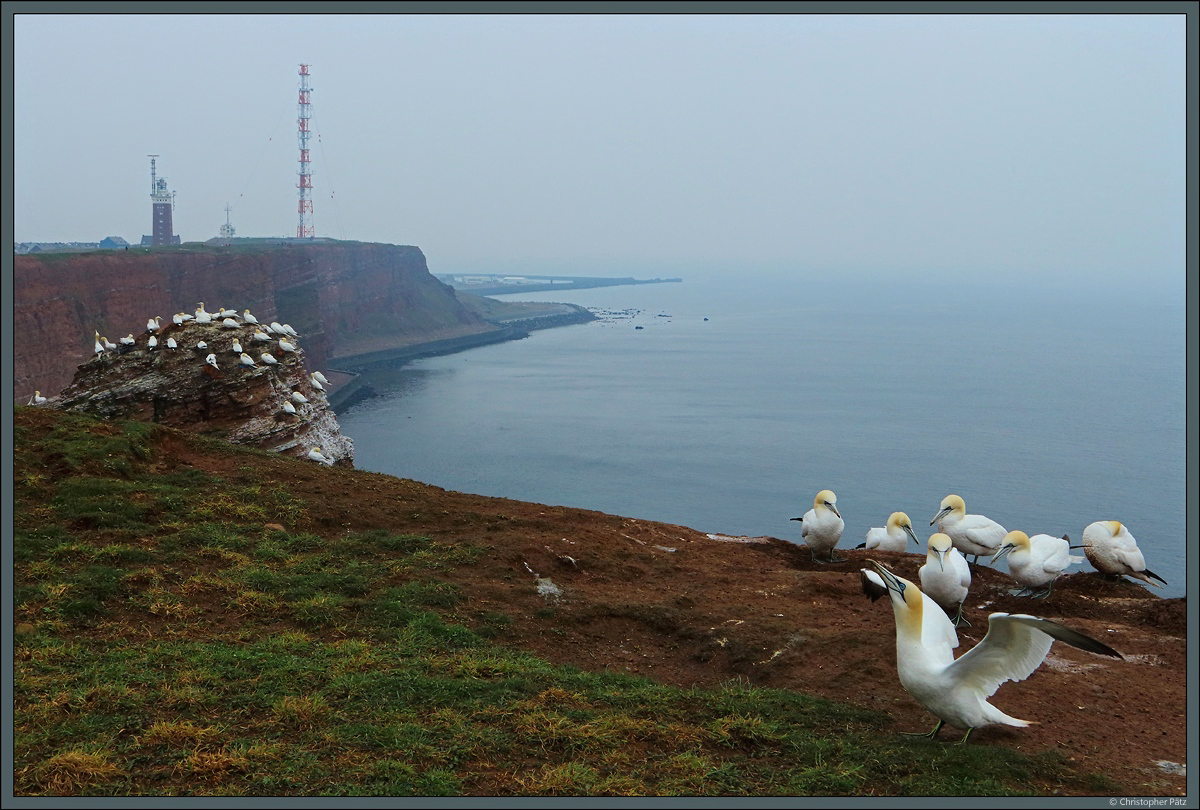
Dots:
pixel 203 385
pixel 345 297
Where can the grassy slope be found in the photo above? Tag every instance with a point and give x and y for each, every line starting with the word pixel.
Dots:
pixel 182 632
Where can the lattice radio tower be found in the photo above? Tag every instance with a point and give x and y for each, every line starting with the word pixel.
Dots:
pixel 304 229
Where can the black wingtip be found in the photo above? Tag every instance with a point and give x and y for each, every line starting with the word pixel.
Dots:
pixel 1150 573
pixel 871 588
pixel 799 518
pixel 861 545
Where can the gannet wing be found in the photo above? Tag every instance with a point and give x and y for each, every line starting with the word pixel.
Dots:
pixel 1015 645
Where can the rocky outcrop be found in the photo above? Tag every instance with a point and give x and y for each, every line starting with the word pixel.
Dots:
pixel 347 298
pixel 243 404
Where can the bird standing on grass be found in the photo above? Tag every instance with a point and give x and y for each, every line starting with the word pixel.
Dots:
pixel 894 536
pixel 821 527
pixel 971 534
pixel 956 690
pixel 1112 551
pixel 1035 562
pixel 945 576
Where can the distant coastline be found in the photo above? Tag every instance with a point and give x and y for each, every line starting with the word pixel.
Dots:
pixel 497 284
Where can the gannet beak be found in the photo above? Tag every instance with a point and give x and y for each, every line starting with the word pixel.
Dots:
pixel 908 530
pixel 834 508
pixel 1004 550
pixel 889 579
pixel 941 559
pixel 938 515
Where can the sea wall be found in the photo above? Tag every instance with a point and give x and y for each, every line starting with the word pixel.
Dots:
pixel 346 298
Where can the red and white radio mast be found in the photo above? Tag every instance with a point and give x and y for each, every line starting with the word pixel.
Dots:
pixel 304 230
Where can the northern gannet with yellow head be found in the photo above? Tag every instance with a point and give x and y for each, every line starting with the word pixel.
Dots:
pixel 152 324
pixel 316 455
pixel 201 315
pixel 1035 562
pixel 99 346
pixel 268 358
pixel 945 576
pixel 821 527
pixel 230 323
pixel 1112 551
pixel 956 690
pixel 261 336
pixel 152 342
pixel 299 398
pixel 892 537
pixel 316 384
pixel 247 360
pixel 127 340
pixel 971 534
pixel 248 318
pixel 287 347
pixel 320 377
pixel 289 407
pixel 37 398
pixel 171 344
pixel 108 344
pixel 237 346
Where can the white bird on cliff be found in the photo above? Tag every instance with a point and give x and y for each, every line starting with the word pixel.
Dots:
pixel 248 318
pixel 127 340
pixel 287 347
pixel 226 313
pixel 36 399
pixel 230 323
pixel 99 346
pixel 152 325
pixel 276 329
pixel 171 344
pixel 237 346
pixel 1112 551
pixel 179 318
pixel 970 534
pixel 315 383
pixel 320 377
pixel 201 345
pixel 268 358
pixel 289 407
pixel 212 361
pixel 261 336
pixel 299 398
pixel 247 360
pixel 1036 561
pixel 201 315
pixel 316 455
pixel 108 344
pixel 956 690
pixel 945 576
pixel 152 342
pixel 288 330
pixel 821 527
pixel 892 537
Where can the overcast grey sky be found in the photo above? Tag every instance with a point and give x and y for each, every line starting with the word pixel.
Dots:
pixel 1047 146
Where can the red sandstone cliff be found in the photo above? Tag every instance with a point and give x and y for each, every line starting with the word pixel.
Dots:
pixel 345 297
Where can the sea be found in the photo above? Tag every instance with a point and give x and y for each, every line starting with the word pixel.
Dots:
pixel 725 402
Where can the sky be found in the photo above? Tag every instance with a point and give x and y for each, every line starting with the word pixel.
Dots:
pixel 937 146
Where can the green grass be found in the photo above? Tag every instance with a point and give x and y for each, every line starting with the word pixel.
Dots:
pixel 177 642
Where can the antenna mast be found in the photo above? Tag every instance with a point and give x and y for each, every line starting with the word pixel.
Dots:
pixel 304 230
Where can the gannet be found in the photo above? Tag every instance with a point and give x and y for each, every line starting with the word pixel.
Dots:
pixel 299 398
pixel 226 313
pixel 202 345
pixel 247 360
pixel 212 361
pixel 268 358
pixel 152 342
pixel 316 455
pixel 152 324
pixel 171 344
pixel 237 346
pixel 275 328
pixel 230 323
pixel 37 398
pixel 945 576
pixel 320 377
pixel 201 315
pixel 956 690
pixel 1036 561
pixel 99 346
pixel 108 344
pixel 127 340
pixel 289 407
pixel 894 536
pixel 1111 550
pixel 315 383
pixel 970 534
pixel 289 330
pixel 287 347
pixel 261 336
pixel 821 526
pixel 178 318
pixel 248 318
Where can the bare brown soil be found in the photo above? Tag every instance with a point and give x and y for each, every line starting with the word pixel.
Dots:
pixel 677 605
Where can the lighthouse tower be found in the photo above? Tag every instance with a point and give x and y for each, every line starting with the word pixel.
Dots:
pixel 162 203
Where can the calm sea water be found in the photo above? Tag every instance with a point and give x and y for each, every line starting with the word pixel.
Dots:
pixel 740 398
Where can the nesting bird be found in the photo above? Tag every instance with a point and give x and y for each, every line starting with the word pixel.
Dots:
pixel 315 383
pixel 36 399
pixel 956 690
pixel 201 315
pixel 99 346
pixel 946 582
pixel 108 344
pixel 236 347
pixel 821 527
pixel 248 318
pixel 226 313
pixel 299 398
pixel 288 330
pixel 212 361
pixel 971 534
pixel 201 346
pixel 152 342
pixel 178 318
pixel 287 347
pixel 894 536
pixel 275 328
pixel 320 377
pixel 261 336
pixel 268 358
pixel 316 455
pixel 171 344
pixel 289 407
pixel 230 323
pixel 247 360
pixel 152 324
pixel 1112 551
pixel 1036 561
pixel 127 340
